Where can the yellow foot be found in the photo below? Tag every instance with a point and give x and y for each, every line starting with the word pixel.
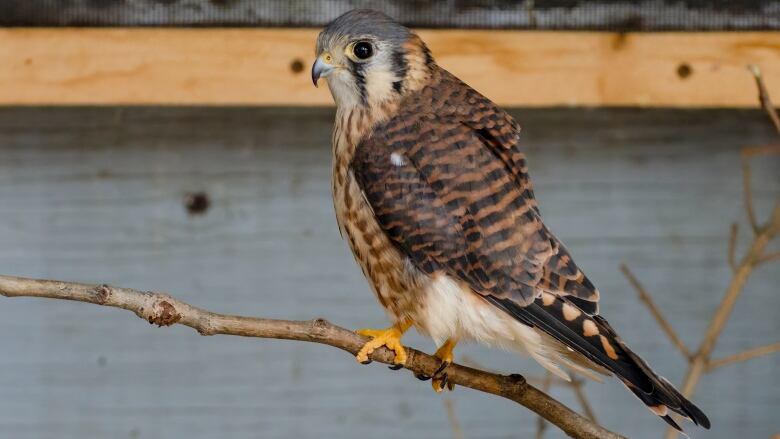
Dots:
pixel 390 337
pixel 444 353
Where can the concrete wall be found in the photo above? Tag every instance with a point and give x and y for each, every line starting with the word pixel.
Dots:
pixel 98 195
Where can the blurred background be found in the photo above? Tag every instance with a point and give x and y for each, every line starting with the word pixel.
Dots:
pixel 179 146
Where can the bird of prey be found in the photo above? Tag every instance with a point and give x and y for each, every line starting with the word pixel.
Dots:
pixel 431 190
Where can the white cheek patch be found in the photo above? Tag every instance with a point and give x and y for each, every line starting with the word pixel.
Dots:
pixel 397 159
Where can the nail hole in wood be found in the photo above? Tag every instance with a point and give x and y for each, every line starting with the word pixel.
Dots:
pixel 684 70
pixel 296 65
pixel 197 203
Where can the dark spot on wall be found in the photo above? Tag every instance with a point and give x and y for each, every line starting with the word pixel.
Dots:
pixel 197 203
pixel 296 66
pixel 684 70
pixel 102 361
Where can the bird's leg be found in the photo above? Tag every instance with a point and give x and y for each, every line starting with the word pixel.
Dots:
pixel 390 337
pixel 444 353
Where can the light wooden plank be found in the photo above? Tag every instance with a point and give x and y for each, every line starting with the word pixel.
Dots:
pixel 254 67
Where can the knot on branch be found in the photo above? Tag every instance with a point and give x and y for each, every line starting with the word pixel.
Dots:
pixel 319 327
pixel 102 294
pixel 163 314
pixel 514 384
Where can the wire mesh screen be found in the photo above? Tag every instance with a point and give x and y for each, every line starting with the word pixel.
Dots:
pixel 612 15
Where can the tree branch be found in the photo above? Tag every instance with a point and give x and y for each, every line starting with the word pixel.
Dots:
pixel 732 252
pixel 748 196
pixel 768 258
pixel 700 362
pixel 164 310
pixel 576 385
pixel 744 356
pixel 763 96
pixel 452 416
pixel 541 424
pixel 659 317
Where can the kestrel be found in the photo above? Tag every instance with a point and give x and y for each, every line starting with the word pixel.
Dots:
pixel 431 190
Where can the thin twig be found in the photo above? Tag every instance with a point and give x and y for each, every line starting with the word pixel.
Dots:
pixel 732 255
pixel 164 310
pixel 758 151
pixel 452 416
pixel 748 196
pixel 743 356
pixel 577 385
pixel 763 96
pixel 768 258
pixel 700 362
pixel 648 301
pixel 541 424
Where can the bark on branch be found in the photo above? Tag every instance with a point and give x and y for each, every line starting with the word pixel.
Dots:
pixel 164 310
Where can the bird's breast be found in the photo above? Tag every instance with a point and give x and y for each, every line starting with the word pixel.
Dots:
pixel 391 277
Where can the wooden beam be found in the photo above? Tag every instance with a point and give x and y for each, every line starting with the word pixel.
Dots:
pixel 145 66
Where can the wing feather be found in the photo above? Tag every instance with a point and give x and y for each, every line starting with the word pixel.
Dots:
pixel 450 188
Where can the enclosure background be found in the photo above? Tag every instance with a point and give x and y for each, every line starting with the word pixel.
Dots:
pixel 98 194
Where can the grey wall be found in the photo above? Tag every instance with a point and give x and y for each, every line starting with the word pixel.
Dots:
pixel 97 195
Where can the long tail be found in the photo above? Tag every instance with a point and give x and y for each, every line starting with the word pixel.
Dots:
pixel 593 337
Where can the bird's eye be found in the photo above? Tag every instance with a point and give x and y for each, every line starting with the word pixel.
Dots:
pixel 363 50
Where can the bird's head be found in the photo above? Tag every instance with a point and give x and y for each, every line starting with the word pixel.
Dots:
pixel 369 59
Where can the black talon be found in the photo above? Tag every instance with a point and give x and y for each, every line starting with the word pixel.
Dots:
pixel 369 361
pixel 443 381
pixel 422 377
pixel 395 367
pixel 442 367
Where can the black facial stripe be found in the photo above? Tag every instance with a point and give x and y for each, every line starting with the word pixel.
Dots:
pixel 360 80
pixel 400 67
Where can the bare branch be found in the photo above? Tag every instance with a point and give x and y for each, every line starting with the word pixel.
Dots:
pixel 767 258
pixel 700 363
pixel 457 430
pixel 758 151
pixel 164 310
pixel 541 424
pixel 732 255
pixel 766 234
pixel 748 196
pixel 644 296
pixel 577 385
pixel 744 356
pixel 763 96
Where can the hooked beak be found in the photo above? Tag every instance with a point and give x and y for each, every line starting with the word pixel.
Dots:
pixel 320 69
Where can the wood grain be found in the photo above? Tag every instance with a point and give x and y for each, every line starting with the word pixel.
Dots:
pixel 47 66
